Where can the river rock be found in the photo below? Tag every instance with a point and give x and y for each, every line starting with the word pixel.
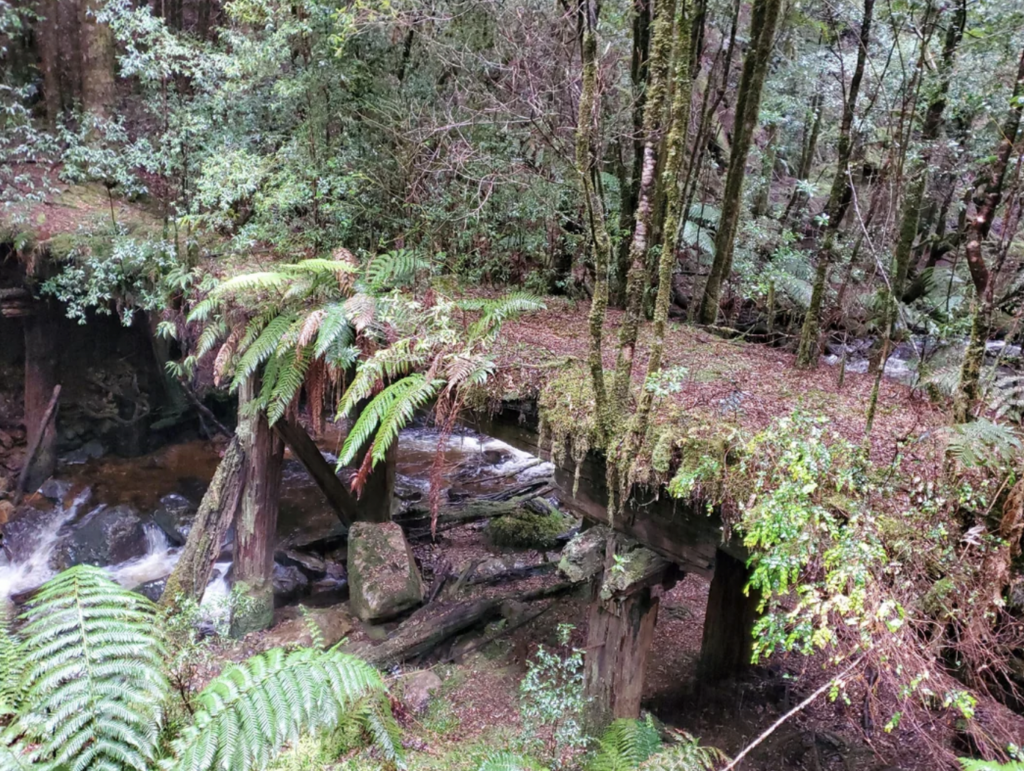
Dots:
pixel 292 629
pixel 175 516
pixel 55 489
pixel 383 577
pixel 6 511
pixel 89 451
pixel 289 581
pixel 108 536
pixel 418 690
pixel 152 590
pixel 25 530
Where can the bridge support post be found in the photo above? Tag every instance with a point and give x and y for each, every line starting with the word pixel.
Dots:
pixel 728 622
pixel 620 631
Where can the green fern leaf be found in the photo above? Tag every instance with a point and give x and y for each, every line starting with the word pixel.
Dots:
pixel 990 765
pixel 982 443
pixel 686 755
pixel 391 409
pixel 262 348
pixel 507 761
pixel 93 681
pixel 247 714
pixel 625 745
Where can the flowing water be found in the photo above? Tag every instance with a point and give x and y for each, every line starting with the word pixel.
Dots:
pixel 474 465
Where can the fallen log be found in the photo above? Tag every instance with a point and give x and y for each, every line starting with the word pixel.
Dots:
pixel 432 625
pixel 416 522
pixel 527 571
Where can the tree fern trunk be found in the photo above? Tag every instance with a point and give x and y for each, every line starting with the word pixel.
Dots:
pixel 256 521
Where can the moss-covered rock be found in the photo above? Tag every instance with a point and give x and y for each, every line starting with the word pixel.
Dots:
pixel 529 530
pixel 383 577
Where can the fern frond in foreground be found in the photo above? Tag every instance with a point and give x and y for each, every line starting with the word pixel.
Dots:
pixel 93 682
pixel 625 745
pixel 253 709
pixel 508 761
pixel 990 765
pixel 687 755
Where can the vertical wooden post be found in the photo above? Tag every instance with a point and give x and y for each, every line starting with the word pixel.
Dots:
pixel 729 621
pixel 40 378
pixel 620 631
pixel 256 523
pixel 377 499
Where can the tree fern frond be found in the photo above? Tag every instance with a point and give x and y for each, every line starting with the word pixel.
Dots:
pixel 258 281
pixel 262 348
pixel 625 745
pixel 467 369
pixel 12 666
pixel 290 377
pixel 391 409
pixel 497 312
pixel 212 334
pixel 982 443
pixel 387 364
pixel 374 715
pixel 334 327
pixel 705 213
pixel 93 681
pixel 698 236
pixel 396 268
pixel 248 713
pixel 687 755
pixel 508 761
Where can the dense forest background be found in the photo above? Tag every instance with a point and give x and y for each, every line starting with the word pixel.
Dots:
pixel 317 209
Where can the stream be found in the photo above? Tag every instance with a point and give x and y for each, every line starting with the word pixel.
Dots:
pixel 131 516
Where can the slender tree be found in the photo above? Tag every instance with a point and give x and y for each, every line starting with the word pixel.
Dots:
pixel 988 196
pixel 98 92
pixel 763 23
pixel 657 92
pixel 838 199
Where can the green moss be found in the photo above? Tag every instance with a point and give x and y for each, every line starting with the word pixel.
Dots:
pixel 529 530
pixel 568 414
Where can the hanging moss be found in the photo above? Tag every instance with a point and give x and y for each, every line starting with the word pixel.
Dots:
pixel 568 415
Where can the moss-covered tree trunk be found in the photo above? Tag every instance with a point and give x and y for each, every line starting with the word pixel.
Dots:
pixel 988 197
pixel 216 512
pixel 657 90
pixel 628 193
pixel 588 113
pixel 763 22
pixel 256 520
pixel 838 200
pixel 810 146
pixel 671 174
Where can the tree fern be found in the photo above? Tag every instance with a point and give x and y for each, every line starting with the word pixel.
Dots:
pixel 982 443
pixel 262 348
pixel 494 313
pixel 389 410
pixel 625 745
pixel 685 755
pixel 508 761
pixel 12 667
pixel 93 681
pixel 396 268
pixel 253 709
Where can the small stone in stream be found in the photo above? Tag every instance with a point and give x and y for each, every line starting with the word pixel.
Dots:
pixel 89 451
pixel 152 590
pixel 108 536
pixel 494 457
pixel 419 689
pixel 175 516
pixel 55 489
pixel 382 573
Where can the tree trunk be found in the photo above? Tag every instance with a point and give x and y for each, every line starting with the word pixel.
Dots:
pixel 49 61
pixel 988 196
pixel 764 20
pixel 217 510
pixel 810 146
pixel 98 92
pixel 256 522
pixel 376 500
pixel 40 379
pixel 588 111
pixel 838 200
pixel 628 194
pixel 657 91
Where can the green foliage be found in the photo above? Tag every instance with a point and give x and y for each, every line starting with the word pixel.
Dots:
pixel 982 443
pixel 686 755
pixel 93 681
pixel 248 713
pixel 625 745
pixel 89 666
pixel 507 761
pixel 552 695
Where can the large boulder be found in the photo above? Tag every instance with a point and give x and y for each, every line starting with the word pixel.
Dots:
pixel 107 536
pixel 383 577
